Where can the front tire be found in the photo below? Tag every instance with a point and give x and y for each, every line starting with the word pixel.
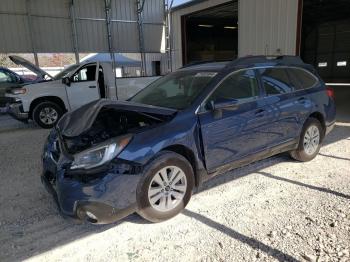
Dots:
pixel 310 141
pixel 165 188
pixel 46 114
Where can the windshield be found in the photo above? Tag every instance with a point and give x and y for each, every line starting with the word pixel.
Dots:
pixel 177 90
pixel 65 71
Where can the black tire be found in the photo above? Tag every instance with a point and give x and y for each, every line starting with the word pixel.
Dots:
pixel 164 159
pixel 40 107
pixel 300 154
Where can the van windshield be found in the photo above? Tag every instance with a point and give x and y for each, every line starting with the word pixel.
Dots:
pixel 65 71
pixel 176 90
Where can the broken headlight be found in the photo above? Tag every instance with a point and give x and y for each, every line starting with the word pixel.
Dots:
pixel 100 154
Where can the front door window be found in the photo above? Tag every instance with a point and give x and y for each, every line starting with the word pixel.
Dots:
pixel 86 73
pixel 241 86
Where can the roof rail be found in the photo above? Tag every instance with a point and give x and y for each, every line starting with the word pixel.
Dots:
pixel 204 62
pixel 250 60
pixel 280 60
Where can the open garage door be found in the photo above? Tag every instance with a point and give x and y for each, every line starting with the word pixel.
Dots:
pixel 325 41
pixel 210 34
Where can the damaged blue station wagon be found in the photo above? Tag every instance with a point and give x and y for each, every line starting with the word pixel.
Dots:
pixel 109 159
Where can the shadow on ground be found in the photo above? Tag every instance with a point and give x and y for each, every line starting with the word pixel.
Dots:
pixel 21 237
pixel 253 243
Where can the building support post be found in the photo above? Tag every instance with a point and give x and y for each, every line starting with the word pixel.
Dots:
pixel 30 30
pixel 36 59
pixel 168 37
pixel 110 44
pixel 299 27
pixel 74 32
pixel 140 4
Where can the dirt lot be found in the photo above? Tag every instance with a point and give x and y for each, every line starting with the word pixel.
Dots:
pixel 275 209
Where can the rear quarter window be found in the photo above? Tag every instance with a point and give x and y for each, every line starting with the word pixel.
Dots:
pixel 305 79
pixel 275 81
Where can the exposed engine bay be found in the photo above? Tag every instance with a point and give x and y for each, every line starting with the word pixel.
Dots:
pixel 111 123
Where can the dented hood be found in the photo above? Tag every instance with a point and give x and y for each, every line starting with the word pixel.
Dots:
pixel 76 122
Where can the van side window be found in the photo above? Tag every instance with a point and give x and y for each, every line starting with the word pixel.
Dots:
pixel 86 73
pixel 305 79
pixel 275 81
pixel 242 86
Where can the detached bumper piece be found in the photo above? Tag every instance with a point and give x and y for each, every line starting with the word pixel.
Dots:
pixel 16 111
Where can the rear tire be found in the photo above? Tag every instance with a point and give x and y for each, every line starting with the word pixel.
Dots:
pixel 165 188
pixel 46 114
pixel 310 141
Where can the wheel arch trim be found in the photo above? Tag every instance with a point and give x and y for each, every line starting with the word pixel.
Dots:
pixel 54 99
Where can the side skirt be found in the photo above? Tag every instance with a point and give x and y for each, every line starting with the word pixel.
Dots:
pixel 291 145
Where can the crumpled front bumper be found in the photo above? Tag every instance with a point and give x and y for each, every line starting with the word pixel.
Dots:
pixel 109 197
pixel 93 211
pixel 16 111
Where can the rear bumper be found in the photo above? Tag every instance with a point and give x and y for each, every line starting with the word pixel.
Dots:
pixel 16 111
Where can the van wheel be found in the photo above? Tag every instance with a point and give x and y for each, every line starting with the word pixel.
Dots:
pixel 310 141
pixel 46 114
pixel 165 188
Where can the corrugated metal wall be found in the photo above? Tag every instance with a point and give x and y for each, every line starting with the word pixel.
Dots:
pixel 267 27
pixel 47 26
pixel 264 27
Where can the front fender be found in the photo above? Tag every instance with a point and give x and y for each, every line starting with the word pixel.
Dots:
pixel 181 131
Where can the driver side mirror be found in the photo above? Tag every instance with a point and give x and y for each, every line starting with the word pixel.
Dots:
pixel 66 81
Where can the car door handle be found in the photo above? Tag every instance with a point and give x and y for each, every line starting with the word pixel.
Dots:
pixel 260 113
pixel 92 86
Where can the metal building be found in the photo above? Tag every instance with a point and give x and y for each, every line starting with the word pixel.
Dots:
pixel 81 26
pixel 317 30
pixel 249 26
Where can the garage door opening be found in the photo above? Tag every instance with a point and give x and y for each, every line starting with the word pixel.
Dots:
pixel 326 38
pixel 210 34
pixel 325 43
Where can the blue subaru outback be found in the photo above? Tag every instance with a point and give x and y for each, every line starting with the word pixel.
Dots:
pixel 109 159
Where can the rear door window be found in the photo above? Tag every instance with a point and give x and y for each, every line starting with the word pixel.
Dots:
pixel 305 79
pixel 276 81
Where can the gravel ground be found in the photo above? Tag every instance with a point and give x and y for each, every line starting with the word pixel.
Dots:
pixel 275 209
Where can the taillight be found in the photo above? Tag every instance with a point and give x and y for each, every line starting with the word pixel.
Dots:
pixel 330 92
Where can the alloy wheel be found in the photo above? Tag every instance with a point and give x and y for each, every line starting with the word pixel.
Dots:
pixel 167 188
pixel 48 115
pixel 311 140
